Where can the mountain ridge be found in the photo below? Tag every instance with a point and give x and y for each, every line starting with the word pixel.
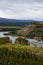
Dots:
pixel 14 22
pixel 4 19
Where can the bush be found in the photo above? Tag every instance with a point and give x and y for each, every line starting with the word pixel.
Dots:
pixel 21 40
pixel 4 40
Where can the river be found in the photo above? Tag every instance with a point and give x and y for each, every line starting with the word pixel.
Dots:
pixel 13 38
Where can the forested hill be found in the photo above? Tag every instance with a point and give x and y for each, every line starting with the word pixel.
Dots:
pixel 14 22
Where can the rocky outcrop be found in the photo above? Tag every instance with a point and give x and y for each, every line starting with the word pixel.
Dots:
pixel 32 31
pixel 26 30
pixel 38 38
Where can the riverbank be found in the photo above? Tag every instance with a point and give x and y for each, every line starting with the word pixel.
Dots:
pixel 9 28
pixel 13 39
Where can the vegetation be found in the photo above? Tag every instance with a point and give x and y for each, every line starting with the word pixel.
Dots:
pixel 9 28
pixel 37 30
pixel 22 40
pixel 20 55
pixel 32 30
pixel 4 40
pixel 17 54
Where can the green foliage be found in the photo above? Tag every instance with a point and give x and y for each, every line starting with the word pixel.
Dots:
pixel 37 31
pixel 20 55
pixel 4 40
pixel 22 40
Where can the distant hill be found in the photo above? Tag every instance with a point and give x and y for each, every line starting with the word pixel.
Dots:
pixel 32 30
pixel 14 22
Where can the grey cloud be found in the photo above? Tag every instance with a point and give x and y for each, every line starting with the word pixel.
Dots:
pixel 21 8
pixel 20 1
pixel 38 0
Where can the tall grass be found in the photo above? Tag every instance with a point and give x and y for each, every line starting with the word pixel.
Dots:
pixel 20 55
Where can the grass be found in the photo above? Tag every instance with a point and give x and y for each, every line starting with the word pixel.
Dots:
pixel 16 54
pixel 1 27
pixel 25 47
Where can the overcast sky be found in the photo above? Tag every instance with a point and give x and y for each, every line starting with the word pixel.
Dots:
pixel 21 9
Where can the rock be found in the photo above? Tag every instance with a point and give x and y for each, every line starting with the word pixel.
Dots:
pixel 38 38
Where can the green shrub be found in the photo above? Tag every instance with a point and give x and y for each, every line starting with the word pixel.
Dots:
pixel 21 40
pixel 4 40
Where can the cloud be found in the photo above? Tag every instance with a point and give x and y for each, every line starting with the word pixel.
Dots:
pixel 21 9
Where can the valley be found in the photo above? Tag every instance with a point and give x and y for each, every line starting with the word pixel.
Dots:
pixel 21 43
pixel 32 32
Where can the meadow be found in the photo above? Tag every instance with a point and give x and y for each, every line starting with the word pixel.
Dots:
pixel 16 54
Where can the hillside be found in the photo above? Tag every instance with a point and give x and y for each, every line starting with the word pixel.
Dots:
pixel 24 31
pixel 32 30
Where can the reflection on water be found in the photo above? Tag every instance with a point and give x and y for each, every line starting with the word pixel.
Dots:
pixel 32 41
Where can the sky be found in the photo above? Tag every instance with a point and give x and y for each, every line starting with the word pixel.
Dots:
pixel 21 9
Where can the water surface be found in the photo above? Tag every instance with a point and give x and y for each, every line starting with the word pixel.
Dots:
pixel 13 38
